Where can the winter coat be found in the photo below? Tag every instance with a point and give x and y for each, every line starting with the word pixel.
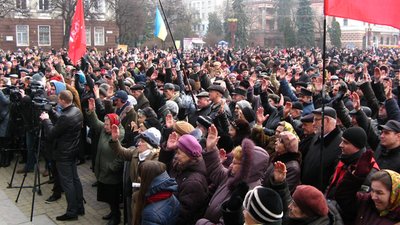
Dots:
pixel 358 208
pixel 192 190
pixel 4 114
pixel 292 162
pixel 310 173
pixel 131 154
pixel 65 133
pixel 192 117
pixel 274 117
pixel 342 167
pixel 108 166
pixel 142 102
pixel 166 211
pixel 222 178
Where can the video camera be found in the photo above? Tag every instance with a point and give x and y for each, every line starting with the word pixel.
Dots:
pixel 43 104
pixel 14 92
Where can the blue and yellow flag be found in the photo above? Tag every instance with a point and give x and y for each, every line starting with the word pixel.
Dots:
pixel 160 30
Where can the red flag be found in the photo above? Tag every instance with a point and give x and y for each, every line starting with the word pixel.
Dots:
pixel 383 12
pixel 77 37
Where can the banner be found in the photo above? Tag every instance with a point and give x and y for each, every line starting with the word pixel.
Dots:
pixel 383 12
pixel 77 37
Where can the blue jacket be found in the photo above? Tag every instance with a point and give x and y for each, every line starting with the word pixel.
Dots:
pixel 164 212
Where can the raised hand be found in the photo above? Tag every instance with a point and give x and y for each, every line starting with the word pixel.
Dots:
pixel 172 141
pixel 287 109
pixel 260 116
pixel 388 89
pixel 356 101
pixel 114 132
pixel 92 105
pixel 169 121
pixel 212 138
pixel 279 172
pixel 96 91
pixel 377 74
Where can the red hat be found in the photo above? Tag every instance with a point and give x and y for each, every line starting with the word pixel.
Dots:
pixel 310 200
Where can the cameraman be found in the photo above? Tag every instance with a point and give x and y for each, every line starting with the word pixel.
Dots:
pixel 66 131
pixel 4 119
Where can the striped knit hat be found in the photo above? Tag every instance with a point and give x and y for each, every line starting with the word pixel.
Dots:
pixel 264 205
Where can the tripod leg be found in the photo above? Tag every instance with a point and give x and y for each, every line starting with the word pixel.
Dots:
pixel 34 188
pixel 13 174
pixel 20 188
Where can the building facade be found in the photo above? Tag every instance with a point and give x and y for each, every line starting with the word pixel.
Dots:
pixel 201 9
pixel 38 23
pixel 358 34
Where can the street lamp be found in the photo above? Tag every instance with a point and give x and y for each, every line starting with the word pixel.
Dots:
pixel 232 28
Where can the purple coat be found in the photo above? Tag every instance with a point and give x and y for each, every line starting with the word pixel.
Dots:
pixel 220 177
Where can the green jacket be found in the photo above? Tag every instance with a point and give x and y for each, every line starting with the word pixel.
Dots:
pixel 108 166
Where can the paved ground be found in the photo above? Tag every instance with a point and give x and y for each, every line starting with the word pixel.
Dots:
pixel 45 214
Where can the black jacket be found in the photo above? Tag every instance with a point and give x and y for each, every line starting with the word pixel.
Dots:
pixel 310 172
pixel 65 133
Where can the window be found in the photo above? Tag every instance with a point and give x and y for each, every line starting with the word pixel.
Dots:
pixel 44 36
pixel 44 5
pixel 22 35
pixel 99 36
pixel 88 36
pixel 387 40
pixel 381 42
pixel 98 6
pixel 345 22
pixel 21 4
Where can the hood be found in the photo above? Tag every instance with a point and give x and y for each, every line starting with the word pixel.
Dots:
pixel 162 182
pixel 59 86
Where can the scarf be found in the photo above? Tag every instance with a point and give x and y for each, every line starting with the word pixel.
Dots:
pixel 158 197
pixel 394 200
pixel 113 119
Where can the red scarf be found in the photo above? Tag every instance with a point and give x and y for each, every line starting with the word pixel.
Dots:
pixel 113 119
pixel 158 197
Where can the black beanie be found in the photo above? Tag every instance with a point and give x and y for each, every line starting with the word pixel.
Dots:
pixel 356 136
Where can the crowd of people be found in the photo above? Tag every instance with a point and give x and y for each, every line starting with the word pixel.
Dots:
pixel 213 135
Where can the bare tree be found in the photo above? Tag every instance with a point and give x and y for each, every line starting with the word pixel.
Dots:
pixel 66 9
pixel 8 7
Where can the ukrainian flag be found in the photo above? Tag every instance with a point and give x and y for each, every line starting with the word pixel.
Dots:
pixel 160 30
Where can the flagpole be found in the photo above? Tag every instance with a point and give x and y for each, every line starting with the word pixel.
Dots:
pixel 178 55
pixel 321 175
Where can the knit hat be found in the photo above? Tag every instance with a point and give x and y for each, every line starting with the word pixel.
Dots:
pixel 264 205
pixel 152 136
pixel 356 136
pixel 189 145
pixel 290 141
pixel 310 200
pixel 182 127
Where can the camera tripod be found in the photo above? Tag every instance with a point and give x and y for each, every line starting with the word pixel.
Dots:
pixel 36 183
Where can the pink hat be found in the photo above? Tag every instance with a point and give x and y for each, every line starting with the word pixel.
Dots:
pixel 189 145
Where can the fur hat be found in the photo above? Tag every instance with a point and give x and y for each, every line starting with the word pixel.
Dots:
pixel 310 200
pixel 264 205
